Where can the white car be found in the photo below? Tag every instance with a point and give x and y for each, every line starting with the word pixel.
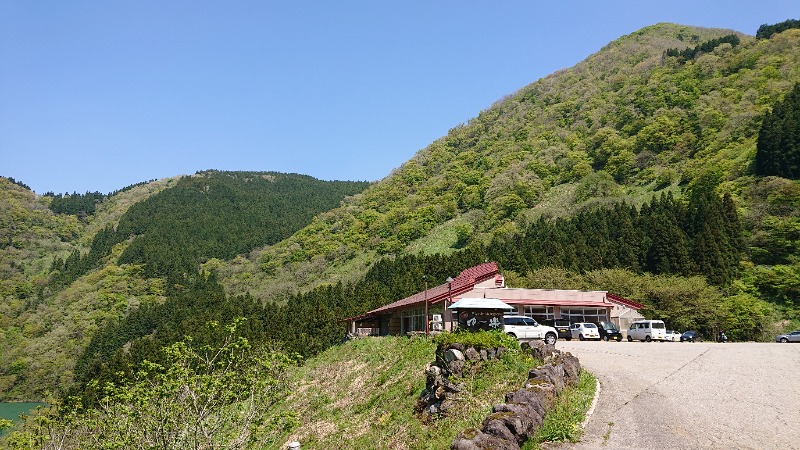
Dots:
pixel 672 336
pixel 522 327
pixel 584 330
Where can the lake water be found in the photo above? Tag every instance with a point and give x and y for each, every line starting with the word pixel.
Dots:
pixel 12 411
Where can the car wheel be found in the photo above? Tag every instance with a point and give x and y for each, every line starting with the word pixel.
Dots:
pixel 784 340
pixel 648 338
pixel 512 335
pixel 550 339
pixel 580 336
pixel 605 338
pixel 630 339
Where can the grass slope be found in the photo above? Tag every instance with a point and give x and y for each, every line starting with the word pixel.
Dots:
pixel 362 393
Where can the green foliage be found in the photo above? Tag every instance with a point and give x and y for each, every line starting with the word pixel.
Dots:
pixel 203 396
pixel 211 215
pixel 478 339
pixel 766 31
pixel 663 237
pixel 778 150
pixel 705 47
pixel 387 375
pixel 76 204
pixel 563 422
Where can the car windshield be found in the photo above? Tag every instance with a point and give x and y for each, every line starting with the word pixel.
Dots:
pixel 589 325
pixel 609 326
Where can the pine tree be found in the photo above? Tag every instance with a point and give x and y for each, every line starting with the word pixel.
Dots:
pixel 778 148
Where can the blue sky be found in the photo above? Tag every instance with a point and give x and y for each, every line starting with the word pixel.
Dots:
pixel 98 95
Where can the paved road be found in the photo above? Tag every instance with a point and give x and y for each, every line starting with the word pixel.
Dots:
pixel 672 395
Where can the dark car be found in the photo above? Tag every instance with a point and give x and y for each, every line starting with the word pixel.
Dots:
pixel 608 331
pixel 691 336
pixel 561 326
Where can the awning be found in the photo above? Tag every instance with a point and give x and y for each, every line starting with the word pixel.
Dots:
pixel 480 303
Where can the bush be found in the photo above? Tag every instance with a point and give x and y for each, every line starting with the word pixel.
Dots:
pixel 478 339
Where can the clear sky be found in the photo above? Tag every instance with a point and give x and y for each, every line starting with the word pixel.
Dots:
pixel 98 95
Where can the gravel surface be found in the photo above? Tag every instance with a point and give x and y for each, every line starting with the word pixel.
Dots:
pixel 681 395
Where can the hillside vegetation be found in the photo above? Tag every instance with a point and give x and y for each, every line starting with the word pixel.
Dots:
pixel 631 172
pixel 360 394
pixel 133 250
pixel 626 123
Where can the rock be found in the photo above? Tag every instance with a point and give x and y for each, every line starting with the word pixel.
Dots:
pixel 456 367
pixel 506 425
pixel 471 354
pixel 541 350
pixel 541 396
pixel 453 354
pixel 484 355
pixel 457 346
pixel 572 367
pixel 552 373
pixel 491 353
pixel 474 439
pixel 530 414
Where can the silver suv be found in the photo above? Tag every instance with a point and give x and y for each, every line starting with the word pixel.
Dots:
pixel 522 327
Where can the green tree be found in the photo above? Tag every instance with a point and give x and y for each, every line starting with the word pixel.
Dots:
pixel 778 147
pixel 203 397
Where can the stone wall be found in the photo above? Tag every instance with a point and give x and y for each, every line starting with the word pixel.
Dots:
pixel 517 419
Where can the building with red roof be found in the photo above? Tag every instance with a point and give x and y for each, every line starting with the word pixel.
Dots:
pixel 430 307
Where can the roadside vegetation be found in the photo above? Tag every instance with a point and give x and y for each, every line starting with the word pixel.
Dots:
pixel 361 394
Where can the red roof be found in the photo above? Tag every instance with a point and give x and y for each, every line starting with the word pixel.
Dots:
pixel 464 282
pixel 624 301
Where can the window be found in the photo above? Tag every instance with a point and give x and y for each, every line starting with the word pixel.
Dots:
pixel 539 313
pixel 584 314
pixel 412 320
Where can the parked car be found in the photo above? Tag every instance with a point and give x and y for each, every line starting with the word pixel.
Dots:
pixel 647 330
pixel 561 326
pixel 584 330
pixel 672 336
pixel 691 336
pixel 608 331
pixel 794 336
pixel 522 327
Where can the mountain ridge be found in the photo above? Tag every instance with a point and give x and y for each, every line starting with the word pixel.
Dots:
pixel 626 124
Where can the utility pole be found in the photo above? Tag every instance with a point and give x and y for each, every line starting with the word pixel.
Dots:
pixel 446 313
pixel 427 322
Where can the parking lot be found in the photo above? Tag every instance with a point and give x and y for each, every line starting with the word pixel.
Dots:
pixel 672 395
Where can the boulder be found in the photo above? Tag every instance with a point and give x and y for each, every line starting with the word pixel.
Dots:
pixel 541 396
pixel 531 416
pixel 506 425
pixel 541 350
pixel 551 373
pixel 455 367
pixel 453 354
pixel 471 354
pixel 474 439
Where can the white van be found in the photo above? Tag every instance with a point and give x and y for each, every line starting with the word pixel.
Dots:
pixel 647 330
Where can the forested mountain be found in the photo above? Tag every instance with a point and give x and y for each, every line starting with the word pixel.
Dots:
pixel 134 249
pixel 628 122
pixel 634 171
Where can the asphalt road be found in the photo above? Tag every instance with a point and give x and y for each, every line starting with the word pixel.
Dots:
pixel 672 395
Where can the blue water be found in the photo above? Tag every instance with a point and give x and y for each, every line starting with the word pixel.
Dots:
pixel 12 411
